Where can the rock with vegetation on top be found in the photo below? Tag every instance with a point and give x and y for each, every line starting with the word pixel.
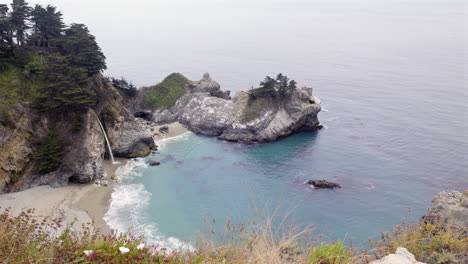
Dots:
pixel 450 209
pixel 255 116
pixel 401 256
pixel 322 184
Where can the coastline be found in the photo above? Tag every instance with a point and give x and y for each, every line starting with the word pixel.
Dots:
pixel 85 204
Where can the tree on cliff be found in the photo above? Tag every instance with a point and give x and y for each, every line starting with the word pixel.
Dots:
pixel 19 16
pixel 47 25
pixel 82 49
pixel 65 88
pixel 281 84
pixel 6 40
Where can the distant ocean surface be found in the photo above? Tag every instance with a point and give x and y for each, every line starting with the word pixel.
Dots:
pixel 392 75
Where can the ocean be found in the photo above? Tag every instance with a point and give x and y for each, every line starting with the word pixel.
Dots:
pixel 393 80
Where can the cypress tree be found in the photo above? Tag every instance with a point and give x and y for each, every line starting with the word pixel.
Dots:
pixel 82 49
pixel 47 25
pixel 6 40
pixel 19 16
pixel 65 89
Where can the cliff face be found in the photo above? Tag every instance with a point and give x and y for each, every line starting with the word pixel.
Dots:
pixel 207 110
pixel 84 148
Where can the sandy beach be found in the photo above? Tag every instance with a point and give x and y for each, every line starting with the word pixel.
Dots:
pixel 84 203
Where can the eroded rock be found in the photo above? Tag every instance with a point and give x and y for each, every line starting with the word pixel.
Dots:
pixel 203 113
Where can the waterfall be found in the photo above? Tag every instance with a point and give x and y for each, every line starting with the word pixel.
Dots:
pixel 107 139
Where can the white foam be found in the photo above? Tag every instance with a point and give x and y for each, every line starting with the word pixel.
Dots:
pixel 128 210
pixel 324 110
pixel 130 202
pixel 131 169
pixel 162 143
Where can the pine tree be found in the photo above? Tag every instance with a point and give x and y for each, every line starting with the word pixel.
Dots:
pixel 6 40
pixel 82 49
pixel 47 25
pixel 65 89
pixel 19 16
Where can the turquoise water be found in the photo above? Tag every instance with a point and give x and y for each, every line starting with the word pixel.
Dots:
pixel 392 75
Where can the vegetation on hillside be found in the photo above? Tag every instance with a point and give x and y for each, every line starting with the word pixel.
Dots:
pixel 166 93
pixel 25 239
pixel 44 61
pixel 49 152
pixel 125 87
pixel 50 68
pixel 265 97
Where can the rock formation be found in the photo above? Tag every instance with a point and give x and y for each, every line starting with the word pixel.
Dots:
pixel 450 209
pixel 322 184
pixel 401 256
pixel 206 110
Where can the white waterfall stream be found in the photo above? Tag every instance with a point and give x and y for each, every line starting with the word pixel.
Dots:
pixel 107 139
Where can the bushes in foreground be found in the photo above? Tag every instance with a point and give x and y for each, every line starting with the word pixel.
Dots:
pixel 25 239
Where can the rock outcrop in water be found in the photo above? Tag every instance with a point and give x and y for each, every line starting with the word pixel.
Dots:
pixel 206 110
pixel 450 209
pixel 322 184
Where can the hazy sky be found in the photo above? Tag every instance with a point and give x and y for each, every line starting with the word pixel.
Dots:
pixel 145 40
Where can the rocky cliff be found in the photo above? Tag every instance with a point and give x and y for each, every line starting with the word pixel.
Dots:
pixel 83 141
pixel 206 110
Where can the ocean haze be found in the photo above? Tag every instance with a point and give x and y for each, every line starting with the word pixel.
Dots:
pixel 393 76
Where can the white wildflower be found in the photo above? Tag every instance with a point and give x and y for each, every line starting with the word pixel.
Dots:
pixel 124 250
pixel 141 246
pixel 88 252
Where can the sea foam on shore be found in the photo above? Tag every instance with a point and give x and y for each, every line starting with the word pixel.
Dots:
pixel 129 204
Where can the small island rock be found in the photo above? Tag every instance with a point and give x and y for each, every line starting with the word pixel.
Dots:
pixel 322 184
pixel 154 163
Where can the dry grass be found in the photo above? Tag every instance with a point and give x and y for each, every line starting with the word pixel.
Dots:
pixel 261 241
pixel 23 239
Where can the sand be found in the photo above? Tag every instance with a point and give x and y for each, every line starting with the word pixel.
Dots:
pixel 175 129
pixel 83 203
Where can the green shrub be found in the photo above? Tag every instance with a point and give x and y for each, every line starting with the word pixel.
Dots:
pixel 34 66
pixel 330 254
pixel 258 107
pixel 77 124
pixel 263 92
pixel 166 93
pixel 48 153
pixel 108 114
pixel 5 119
pixel 429 242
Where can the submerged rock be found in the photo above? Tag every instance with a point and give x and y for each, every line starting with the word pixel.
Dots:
pixel 322 184
pixel 154 163
pixel 401 256
pixel 449 209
